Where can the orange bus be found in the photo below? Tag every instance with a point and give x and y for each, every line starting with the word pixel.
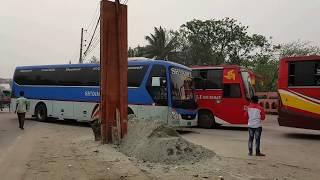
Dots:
pixel 299 92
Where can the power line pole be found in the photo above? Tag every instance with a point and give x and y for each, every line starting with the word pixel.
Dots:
pixel 81 45
pixel 94 32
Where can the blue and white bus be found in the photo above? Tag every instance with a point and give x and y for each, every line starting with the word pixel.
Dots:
pixel 157 89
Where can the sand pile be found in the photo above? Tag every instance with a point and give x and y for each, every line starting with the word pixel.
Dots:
pixel 154 142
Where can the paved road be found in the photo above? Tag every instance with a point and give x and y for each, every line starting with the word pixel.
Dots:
pixel 294 148
pixel 9 130
pixel 289 146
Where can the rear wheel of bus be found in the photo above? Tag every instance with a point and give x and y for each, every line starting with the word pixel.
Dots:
pixel 206 120
pixel 41 112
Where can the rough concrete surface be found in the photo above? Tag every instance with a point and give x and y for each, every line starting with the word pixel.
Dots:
pixel 152 141
pixel 66 150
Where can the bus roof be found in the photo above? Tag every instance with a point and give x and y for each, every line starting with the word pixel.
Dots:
pixel 217 67
pixel 137 61
pixel 301 58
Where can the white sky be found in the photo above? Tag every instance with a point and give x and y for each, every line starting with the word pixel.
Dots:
pixel 37 32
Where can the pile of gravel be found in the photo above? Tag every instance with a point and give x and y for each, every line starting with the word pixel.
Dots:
pixel 152 141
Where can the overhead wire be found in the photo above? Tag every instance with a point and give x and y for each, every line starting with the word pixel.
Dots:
pixel 94 45
pixel 96 15
pixel 95 31
pixel 93 35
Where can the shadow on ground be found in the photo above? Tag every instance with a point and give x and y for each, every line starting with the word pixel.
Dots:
pixel 303 136
pixel 232 128
pixel 63 122
pixel 195 130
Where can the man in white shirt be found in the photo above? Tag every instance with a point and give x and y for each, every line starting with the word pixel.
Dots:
pixel 255 114
pixel 21 109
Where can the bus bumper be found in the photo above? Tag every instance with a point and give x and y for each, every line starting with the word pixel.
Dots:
pixel 289 118
pixel 188 123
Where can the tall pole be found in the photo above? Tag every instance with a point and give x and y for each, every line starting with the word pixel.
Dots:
pixel 81 45
pixel 114 69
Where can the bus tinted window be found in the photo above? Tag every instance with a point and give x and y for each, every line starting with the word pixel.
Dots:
pixel 208 79
pixel 231 91
pixel 157 85
pixel 135 75
pixel 88 76
pixel 304 73
pixel 24 77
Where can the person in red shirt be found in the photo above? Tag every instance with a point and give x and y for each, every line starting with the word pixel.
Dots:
pixel 255 115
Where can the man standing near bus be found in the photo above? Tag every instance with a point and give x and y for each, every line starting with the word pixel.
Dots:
pixel 21 109
pixel 255 114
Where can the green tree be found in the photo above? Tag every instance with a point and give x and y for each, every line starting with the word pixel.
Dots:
pixel 298 48
pixel 219 41
pixel 136 52
pixel 160 44
pixel 94 60
pixel 265 68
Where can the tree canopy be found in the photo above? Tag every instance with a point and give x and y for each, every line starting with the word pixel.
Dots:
pixel 160 44
pixel 219 41
pixel 298 48
pixel 222 41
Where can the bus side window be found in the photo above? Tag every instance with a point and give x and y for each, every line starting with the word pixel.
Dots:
pixel 136 75
pixel 231 91
pixel 208 79
pixel 304 73
pixel 291 74
pixel 157 85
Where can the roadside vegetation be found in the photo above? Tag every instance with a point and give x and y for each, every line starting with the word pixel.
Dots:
pixel 222 41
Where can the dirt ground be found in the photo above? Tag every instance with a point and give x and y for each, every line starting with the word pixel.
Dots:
pixel 63 150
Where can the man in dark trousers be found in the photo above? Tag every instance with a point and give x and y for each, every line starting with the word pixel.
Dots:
pixel 255 114
pixel 21 109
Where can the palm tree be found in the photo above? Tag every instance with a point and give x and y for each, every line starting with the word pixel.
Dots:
pixel 161 43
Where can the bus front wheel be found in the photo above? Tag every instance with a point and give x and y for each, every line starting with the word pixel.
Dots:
pixel 130 114
pixel 206 120
pixel 41 112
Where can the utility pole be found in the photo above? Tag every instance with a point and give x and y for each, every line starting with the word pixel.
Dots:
pixel 114 70
pixel 81 45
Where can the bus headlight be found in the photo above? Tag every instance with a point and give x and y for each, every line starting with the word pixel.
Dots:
pixel 175 115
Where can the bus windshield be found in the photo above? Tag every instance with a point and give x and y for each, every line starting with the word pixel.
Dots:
pixel 247 84
pixel 182 88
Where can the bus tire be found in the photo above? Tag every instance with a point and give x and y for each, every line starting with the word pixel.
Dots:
pixel 41 112
pixel 206 120
pixel 130 114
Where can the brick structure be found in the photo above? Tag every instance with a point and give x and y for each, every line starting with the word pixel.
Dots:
pixel 269 101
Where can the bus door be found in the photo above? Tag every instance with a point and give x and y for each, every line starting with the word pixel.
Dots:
pixel 231 108
pixel 157 87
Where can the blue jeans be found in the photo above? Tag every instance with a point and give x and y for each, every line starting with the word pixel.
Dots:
pixel 254 133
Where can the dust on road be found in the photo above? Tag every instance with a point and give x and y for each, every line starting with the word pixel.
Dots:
pixel 67 151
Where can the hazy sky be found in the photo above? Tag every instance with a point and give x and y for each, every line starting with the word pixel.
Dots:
pixel 37 32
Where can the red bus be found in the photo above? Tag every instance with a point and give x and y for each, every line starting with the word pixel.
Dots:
pixel 299 91
pixel 222 92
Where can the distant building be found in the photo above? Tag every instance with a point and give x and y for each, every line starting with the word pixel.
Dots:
pixel 5 84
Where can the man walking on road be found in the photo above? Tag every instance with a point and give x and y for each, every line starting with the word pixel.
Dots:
pixel 255 114
pixel 21 109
